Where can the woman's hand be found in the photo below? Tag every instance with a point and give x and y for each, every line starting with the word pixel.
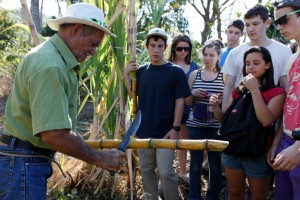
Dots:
pixel 200 93
pixel 250 82
pixel 215 99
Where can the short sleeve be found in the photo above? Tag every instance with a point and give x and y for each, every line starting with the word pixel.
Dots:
pixel 182 88
pixel 229 65
pixel 49 102
pixel 271 93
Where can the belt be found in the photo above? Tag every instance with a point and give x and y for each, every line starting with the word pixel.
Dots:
pixel 6 139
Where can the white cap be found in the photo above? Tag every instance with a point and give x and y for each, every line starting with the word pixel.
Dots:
pixel 157 31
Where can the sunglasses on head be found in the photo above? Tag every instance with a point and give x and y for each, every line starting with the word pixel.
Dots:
pixel 215 43
pixel 283 20
pixel 186 49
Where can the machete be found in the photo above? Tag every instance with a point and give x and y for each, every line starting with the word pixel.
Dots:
pixel 130 133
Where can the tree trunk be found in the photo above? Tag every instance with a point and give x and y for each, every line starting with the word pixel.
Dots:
pixel 59 9
pixel 210 11
pixel 219 23
pixel 34 10
pixel 41 11
pixel 30 22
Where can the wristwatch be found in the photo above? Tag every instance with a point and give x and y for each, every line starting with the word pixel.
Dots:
pixel 176 128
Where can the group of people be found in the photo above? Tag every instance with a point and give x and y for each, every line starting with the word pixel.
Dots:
pixel 261 67
pixel 177 99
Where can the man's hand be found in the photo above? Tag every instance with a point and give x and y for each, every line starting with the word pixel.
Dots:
pixel 172 135
pixel 112 160
pixel 132 66
pixel 71 143
pixel 288 158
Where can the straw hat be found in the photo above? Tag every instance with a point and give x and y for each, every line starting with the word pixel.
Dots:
pixel 81 13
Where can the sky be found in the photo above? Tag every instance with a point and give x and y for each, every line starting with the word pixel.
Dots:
pixel 195 21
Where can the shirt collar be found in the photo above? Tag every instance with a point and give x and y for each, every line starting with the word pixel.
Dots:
pixel 64 51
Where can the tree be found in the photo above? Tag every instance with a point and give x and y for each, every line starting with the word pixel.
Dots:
pixel 35 14
pixel 13 43
pixel 210 11
pixel 272 31
pixel 170 19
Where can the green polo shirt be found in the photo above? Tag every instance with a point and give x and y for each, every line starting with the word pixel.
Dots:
pixel 44 94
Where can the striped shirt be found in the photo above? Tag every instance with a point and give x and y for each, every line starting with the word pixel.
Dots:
pixel 212 87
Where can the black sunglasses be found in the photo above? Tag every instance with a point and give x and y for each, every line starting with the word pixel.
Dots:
pixel 283 20
pixel 186 49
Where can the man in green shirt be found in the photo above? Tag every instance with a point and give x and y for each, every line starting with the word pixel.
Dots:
pixel 41 109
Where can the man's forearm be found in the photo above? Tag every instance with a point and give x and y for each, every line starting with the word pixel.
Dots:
pixel 229 85
pixel 226 95
pixel 71 144
pixel 128 84
pixel 179 107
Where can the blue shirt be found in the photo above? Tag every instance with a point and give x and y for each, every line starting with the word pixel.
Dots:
pixel 224 54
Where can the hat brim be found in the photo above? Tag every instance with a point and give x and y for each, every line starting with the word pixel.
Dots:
pixel 55 23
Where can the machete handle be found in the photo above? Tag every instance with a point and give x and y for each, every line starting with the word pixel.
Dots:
pixel 112 173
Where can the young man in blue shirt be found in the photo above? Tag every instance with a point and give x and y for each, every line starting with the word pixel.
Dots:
pixel 161 90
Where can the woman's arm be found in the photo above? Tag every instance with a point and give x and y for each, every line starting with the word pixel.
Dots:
pixel 215 101
pixel 266 114
pixel 189 100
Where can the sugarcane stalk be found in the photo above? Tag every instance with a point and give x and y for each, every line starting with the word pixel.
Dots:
pixel 131 31
pixel 209 145
pixel 30 23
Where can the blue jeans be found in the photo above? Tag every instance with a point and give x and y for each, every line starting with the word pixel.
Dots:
pixel 214 161
pixel 23 176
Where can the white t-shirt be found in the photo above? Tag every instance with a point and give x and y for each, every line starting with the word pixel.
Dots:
pixel 234 63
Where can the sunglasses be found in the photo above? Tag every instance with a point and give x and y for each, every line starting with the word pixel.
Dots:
pixel 283 20
pixel 215 43
pixel 186 49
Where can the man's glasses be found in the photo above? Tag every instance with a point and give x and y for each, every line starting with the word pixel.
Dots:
pixel 186 49
pixel 283 20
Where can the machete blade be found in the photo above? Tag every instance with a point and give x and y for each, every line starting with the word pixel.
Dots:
pixel 130 133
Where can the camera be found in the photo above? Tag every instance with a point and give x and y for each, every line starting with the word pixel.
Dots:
pixel 296 134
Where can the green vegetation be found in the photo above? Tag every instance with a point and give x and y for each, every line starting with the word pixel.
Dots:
pixel 14 43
